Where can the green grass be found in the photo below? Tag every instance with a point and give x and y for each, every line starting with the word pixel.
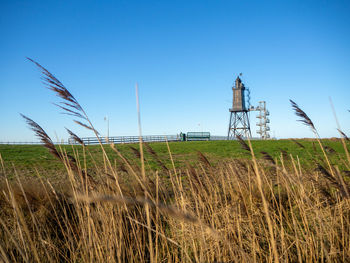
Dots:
pixel 27 159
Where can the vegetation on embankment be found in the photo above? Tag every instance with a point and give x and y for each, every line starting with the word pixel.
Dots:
pixel 29 158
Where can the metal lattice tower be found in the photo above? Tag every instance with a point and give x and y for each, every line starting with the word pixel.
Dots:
pixel 239 119
pixel 263 122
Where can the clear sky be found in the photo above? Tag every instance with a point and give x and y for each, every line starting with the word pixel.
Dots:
pixel 185 56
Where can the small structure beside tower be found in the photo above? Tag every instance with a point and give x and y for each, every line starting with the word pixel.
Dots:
pixel 263 120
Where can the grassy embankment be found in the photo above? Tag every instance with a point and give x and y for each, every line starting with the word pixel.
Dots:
pixel 27 159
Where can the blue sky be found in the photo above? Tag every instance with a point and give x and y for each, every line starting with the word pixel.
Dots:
pixel 185 56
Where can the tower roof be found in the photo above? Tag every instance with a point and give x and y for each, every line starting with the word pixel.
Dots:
pixel 238 83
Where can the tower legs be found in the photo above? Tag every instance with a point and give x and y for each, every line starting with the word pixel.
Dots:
pixel 239 125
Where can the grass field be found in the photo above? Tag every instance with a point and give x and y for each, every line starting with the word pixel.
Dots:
pixel 29 158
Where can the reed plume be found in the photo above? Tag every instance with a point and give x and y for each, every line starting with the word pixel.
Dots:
pixel 307 121
pixel 343 135
pixel 203 159
pixel 298 143
pixel 136 152
pixel 304 118
pixel 48 144
pixel 155 155
pixel 268 157
pixel 284 153
pixel 42 135
pixel 75 137
pixel 69 105
pixel 338 183
pixel 243 144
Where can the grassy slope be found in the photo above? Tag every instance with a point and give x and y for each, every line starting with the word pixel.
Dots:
pixel 27 158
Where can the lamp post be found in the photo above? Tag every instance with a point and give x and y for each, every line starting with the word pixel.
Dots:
pixel 107 119
pixel 200 127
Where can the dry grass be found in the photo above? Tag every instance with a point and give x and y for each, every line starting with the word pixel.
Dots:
pixel 201 214
pixel 236 211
